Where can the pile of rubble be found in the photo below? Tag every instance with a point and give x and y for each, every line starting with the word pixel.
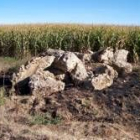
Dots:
pixel 55 69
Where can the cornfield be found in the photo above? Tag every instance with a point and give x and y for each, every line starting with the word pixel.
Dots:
pixel 21 40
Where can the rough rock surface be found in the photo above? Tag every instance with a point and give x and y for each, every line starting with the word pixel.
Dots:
pixel 104 56
pixel 103 77
pixel 32 66
pixel 102 81
pixel 85 57
pixel 69 62
pixel 79 74
pixel 122 67
pixel 54 52
pixel 117 59
pixel 121 55
pixel 45 81
pixel 106 69
pixel 120 61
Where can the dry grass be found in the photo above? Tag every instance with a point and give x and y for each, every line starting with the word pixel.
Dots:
pixel 14 124
pixel 10 65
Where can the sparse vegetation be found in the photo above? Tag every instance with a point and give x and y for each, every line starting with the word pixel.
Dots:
pixel 11 64
pixel 2 96
pixel 23 40
pixel 44 119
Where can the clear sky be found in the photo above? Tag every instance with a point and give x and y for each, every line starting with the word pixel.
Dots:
pixel 70 11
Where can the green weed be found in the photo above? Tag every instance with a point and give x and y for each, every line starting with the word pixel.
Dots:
pixel 2 96
pixel 45 119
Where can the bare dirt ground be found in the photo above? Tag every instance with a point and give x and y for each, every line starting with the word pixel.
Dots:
pixel 75 114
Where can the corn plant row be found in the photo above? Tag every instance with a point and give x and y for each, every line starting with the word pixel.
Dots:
pixel 22 40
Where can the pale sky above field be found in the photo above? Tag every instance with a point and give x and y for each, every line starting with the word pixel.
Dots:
pixel 70 11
